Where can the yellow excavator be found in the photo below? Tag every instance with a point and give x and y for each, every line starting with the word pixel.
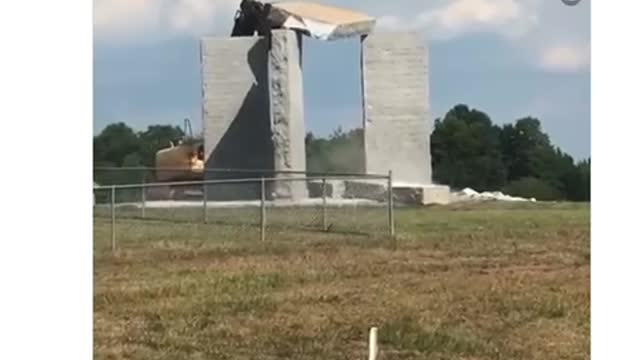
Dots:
pixel 183 161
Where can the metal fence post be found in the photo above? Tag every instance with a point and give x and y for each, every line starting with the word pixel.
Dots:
pixel 392 230
pixel 324 204
pixel 113 218
pixel 263 210
pixel 205 197
pixel 144 197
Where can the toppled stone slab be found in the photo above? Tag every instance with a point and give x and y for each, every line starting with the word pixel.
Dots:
pixel 324 22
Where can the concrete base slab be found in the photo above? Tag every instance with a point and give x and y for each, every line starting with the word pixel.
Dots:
pixel 413 194
pixel 366 189
pixel 334 189
pixel 169 204
pixel 423 194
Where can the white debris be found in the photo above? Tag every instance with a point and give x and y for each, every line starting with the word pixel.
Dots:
pixel 468 194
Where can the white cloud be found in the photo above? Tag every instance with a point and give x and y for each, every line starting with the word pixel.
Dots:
pixel 565 58
pixel 552 34
pixel 120 17
pixel 457 17
pixel 197 16
pixel 123 19
pixel 530 26
pixel 130 20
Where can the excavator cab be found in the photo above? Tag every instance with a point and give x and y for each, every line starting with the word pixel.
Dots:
pixel 181 162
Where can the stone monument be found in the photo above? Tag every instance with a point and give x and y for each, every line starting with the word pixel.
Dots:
pixel 252 104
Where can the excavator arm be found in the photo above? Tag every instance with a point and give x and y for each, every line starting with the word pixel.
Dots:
pixel 255 17
pixel 250 18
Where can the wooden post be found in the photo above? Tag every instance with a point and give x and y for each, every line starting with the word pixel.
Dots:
pixel 373 343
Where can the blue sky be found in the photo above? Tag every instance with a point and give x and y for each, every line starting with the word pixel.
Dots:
pixel 509 58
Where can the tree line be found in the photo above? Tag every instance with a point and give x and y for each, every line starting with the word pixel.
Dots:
pixel 467 150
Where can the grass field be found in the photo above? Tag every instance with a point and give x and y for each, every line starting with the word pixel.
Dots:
pixel 492 281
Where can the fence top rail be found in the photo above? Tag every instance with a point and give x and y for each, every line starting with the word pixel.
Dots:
pixel 226 170
pixel 239 181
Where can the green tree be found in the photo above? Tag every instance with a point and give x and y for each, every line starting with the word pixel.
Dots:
pixel 525 148
pixel 529 187
pixel 114 143
pixel 317 150
pixel 584 171
pixel 529 154
pixel 465 150
pixel 342 152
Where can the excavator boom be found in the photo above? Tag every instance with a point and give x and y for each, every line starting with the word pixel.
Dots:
pixel 256 17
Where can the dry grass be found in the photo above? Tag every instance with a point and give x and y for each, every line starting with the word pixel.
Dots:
pixel 467 282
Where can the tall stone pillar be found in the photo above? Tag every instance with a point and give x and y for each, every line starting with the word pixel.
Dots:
pixel 396 125
pixel 253 113
pixel 287 113
pixel 235 114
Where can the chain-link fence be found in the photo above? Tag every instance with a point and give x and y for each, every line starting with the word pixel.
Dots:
pixel 264 209
pixel 105 175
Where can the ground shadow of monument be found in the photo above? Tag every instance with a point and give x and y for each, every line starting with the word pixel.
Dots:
pixel 247 144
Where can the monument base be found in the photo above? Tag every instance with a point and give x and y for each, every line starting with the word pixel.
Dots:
pixel 412 194
pixel 423 194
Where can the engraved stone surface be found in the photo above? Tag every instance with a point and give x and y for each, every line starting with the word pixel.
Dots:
pixel 287 113
pixel 396 118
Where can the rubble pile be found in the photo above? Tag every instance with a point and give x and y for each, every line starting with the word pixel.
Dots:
pixel 468 194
